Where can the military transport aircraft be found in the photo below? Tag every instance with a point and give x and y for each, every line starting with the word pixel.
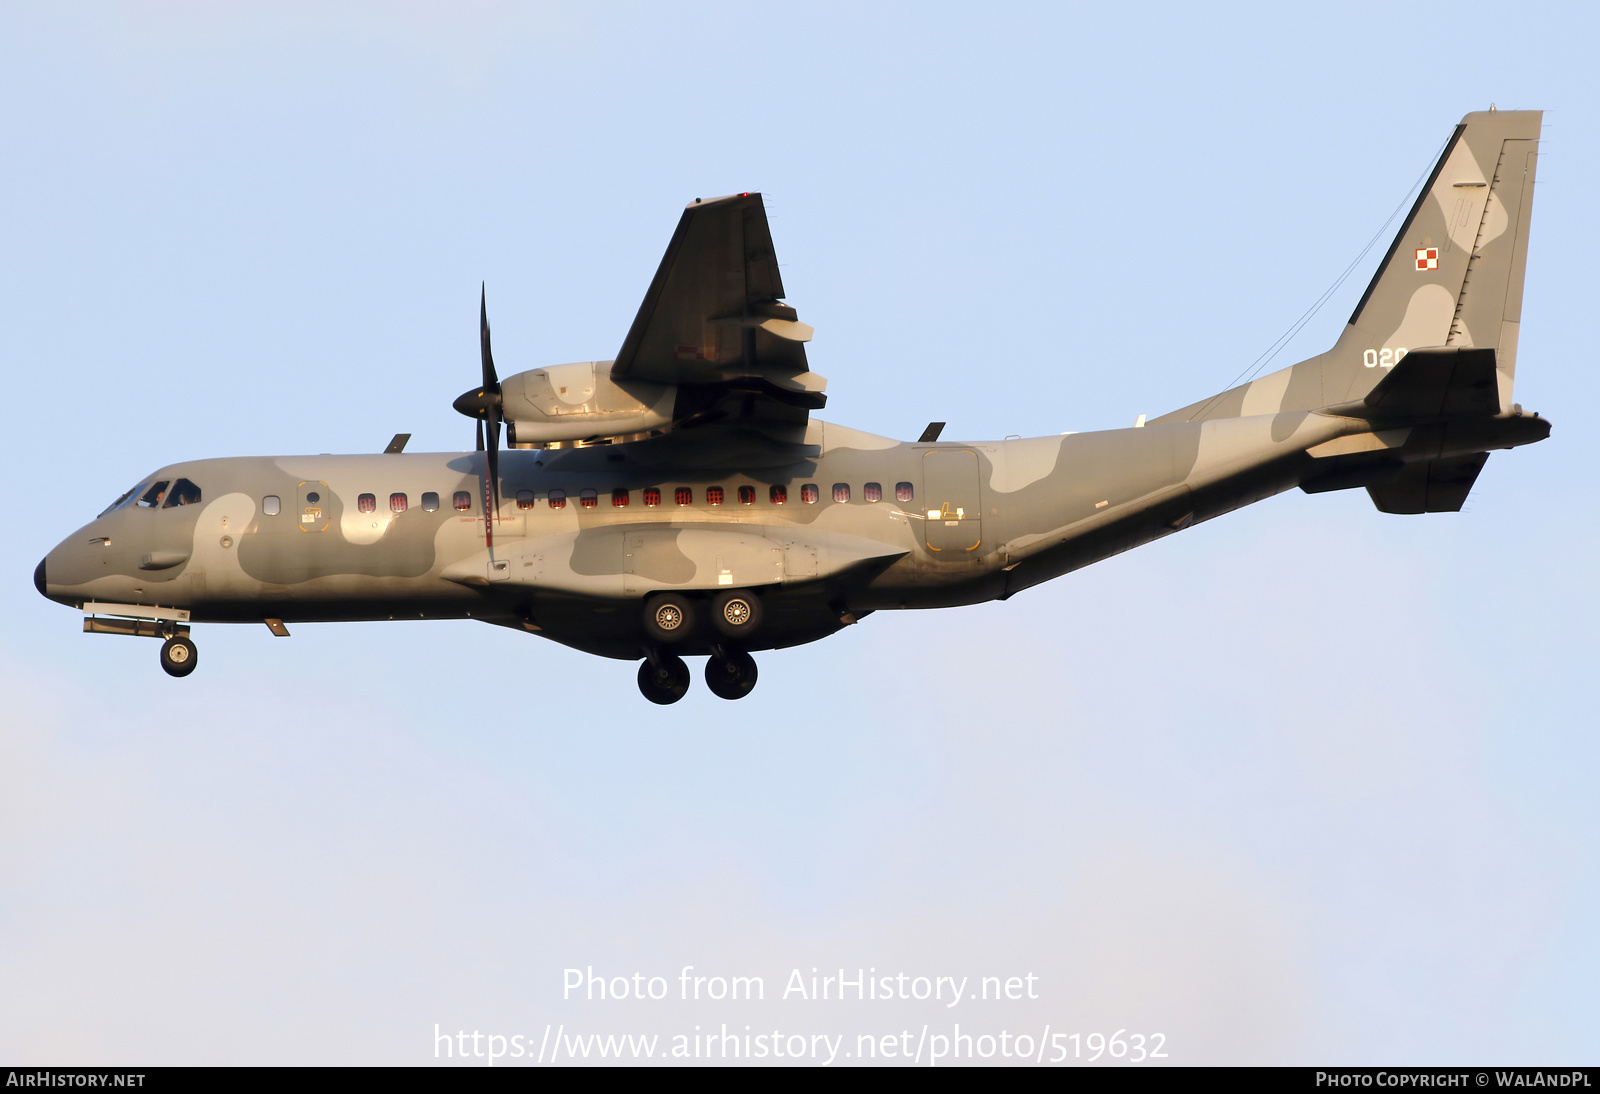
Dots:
pixel 682 500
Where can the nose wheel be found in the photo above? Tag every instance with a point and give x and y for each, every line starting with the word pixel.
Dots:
pixel 664 679
pixel 731 674
pixel 179 656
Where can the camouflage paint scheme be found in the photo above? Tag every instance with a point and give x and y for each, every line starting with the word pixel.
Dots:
pixel 1407 404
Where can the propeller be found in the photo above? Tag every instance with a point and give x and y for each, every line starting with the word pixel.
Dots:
pixel 484 403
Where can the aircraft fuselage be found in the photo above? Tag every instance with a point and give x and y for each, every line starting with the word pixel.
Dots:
pixel 584 535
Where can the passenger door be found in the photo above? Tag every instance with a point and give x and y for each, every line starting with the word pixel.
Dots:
pixel 314 506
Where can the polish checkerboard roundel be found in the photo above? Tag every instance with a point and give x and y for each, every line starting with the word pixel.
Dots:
pixel 1427 258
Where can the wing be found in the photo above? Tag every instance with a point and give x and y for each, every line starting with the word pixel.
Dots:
pixel 714 324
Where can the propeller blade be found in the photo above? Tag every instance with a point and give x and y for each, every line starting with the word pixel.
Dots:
pixel 493 430
pixel 491 382
pixel 489 425
pixel 491 473
pixel 475 403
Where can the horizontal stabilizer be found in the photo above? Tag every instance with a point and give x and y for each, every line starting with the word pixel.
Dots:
pixel 1432 486
pixel 1430 384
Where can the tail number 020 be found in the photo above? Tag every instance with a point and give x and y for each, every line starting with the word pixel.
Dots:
pixel 1387 358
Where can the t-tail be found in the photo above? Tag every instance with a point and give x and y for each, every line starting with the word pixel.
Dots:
pixel 1429 357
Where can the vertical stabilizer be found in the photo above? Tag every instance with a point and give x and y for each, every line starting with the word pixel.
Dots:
pixel 1451 277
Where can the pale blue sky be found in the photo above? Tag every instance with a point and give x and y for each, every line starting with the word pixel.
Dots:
pixel 1308 783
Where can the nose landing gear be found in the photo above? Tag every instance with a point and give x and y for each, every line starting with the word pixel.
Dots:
pixel 179 655
pixel 731 674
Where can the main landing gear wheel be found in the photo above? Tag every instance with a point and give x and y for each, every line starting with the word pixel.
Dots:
pixel 179 656
pixel 736 613
pixel 669 617
pixel 665 680
pixel 732 675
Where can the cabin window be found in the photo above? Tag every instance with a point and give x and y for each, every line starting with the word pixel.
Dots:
pixel 809 494
pixel 151 498
pixel 588 498
pixel 903 491
pixel 778 495
pixel 462 500
pixel 271 505
pixel 524 499
pixel 399 503
pixel 713 495
pixel 683 496
pixel 619 498
pixel 747 495
pixel 558 499
pixel 430 501
pixel 183 492
pixel 841 491
pixel 872 492
pixel 652 497
pixel 367 503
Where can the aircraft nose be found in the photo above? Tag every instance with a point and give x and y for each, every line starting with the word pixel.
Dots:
pixel 39 580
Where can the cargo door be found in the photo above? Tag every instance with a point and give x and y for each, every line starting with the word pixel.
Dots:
pixel 952 503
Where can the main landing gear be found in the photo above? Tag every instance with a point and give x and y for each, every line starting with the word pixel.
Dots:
pixel 670 619
pixel 664 678
pixel 731 674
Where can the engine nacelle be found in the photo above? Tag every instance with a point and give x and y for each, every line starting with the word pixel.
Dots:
pixel 581 401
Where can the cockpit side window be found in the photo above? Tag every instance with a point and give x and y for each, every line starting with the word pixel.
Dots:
pixel 151 498
pixel 183 492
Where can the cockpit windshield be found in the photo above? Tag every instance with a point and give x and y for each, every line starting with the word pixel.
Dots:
pixel 151 498
pixel 155 495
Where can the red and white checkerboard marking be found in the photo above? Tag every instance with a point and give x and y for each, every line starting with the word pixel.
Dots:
pixel 1427 258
